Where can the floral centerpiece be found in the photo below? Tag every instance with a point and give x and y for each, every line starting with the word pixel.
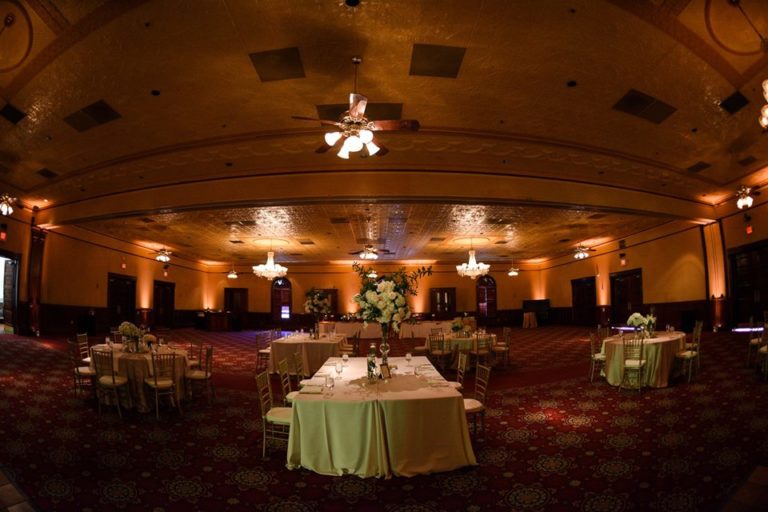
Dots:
pixel 131 334
pixel 384 300
pixel 457 324
pixel 318 304
pixel 646 324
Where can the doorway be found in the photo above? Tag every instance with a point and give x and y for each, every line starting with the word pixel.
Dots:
pixel 281 300
pixel 236 304
pixel 584 301
pixel 121 299
pixel 164 298
pixel 442 302
pixel 10 292
pixel 486 297
pixel 749 283
pixel 626 295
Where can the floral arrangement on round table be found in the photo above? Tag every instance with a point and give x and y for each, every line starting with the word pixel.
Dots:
pixel 645 324
pixel 384 300
pixel 318 304
pixel 131 334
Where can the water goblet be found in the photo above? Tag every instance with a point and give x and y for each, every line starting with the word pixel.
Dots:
pixel 339 369
pixel 408 357
pixel 345 359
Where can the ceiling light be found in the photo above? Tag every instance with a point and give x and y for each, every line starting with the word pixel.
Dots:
pixel 743 199
pixel 581 253
pixel 513 271
pixel 369 253
pixel 232 274
pixel 372 274
pixel 6 204
pixel 163 255
pixel 332 138
pixel 270 270
pixel 472 269
pixel 372 148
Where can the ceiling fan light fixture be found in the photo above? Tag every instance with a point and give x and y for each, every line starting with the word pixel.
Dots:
pixel 163 255
pixel 270 270
pixel 372 274
pixel 343 152
pixel 331 138
pixel 353 143
pixel 581 253
pixel 366 136
pixel 372 148
pixel 368 253
pixel 743 197
pixel 472 269
pixel 513 272
pixel 232 274
pixel 6 204
pixel 763 120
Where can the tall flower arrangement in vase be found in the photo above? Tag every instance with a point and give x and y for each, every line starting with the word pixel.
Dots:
pixel 384 300
pixel 318 304
pixel 646 324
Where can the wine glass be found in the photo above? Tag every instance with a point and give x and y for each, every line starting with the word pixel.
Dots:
pixel 339 369
pixel 345 359
pixel 408 357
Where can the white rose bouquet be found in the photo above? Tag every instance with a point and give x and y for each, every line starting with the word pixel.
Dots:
pixel 317 304
pixel 640 322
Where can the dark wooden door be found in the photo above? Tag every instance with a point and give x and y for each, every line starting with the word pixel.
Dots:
pixel 121 299
pixel 584 301
pixel 749 283
pixel 486 297
pixel 236 304
pixel 442 302
pixel 164 298
pixel 626 295
pixel 10 294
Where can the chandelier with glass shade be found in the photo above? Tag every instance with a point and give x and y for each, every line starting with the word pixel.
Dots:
pixel 270 270
pixel 472 269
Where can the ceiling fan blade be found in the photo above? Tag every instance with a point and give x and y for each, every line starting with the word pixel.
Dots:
pixel 357 103
pixel 397 124
pixel 321 121
pixel 323 148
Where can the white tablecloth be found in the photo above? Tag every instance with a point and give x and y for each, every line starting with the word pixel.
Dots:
pixel 138 367
pixel 659 353
pixel 313 352
pixel 407 426
pixel 349 329
pixel 423 329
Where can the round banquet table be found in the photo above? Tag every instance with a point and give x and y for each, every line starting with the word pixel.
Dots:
pixel 138 367
pixel 659 353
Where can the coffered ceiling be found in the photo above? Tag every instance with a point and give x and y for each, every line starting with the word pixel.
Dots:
pixel 547 123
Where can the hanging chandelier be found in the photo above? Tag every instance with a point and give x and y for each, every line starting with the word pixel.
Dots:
pixel 472 269
pixel 513 271
pixel 270 270
pixel 163 255
pixel 743 198
pixel 6 204
pixel 232 274
pixel 581 253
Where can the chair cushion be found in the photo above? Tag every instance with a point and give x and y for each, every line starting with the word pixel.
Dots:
pixel 161 383
pixel 471 405
pixel 106 381
pixel 85 371
pixel 599 356
pixel 267 350
pixel 280 415
pixel 290 397
pixel 686 354
pixel 197 375
pixel 763 349
pixel 499 348
pixel 86 360
pixel 420 349
pixel 439 353
pixel 634 363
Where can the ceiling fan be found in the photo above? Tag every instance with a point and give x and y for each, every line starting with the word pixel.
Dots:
pixel 356 130
pixel 369 252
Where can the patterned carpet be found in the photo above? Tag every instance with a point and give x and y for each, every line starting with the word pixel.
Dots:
pixel 563 444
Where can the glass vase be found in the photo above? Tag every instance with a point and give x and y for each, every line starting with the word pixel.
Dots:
pixel 384 347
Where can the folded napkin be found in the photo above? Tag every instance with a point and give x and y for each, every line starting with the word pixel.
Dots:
pixel 314 381
pixel 311 390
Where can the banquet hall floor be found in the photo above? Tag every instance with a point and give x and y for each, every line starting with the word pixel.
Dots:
pixel 554 440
